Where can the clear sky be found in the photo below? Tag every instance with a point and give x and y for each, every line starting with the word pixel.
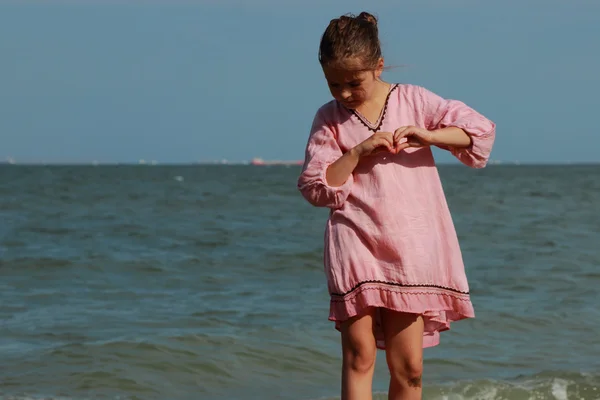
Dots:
pixel 209 80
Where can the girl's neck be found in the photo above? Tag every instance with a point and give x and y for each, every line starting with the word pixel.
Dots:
pixel 372 109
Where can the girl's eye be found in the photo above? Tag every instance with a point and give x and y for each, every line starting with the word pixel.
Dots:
pixel 354 84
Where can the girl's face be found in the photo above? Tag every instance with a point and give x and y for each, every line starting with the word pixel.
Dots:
pixel 350 84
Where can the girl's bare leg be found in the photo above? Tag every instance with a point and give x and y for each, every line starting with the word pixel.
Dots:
pixel 404 353
pixel 358 357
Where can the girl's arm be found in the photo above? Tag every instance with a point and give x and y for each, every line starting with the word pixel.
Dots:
pixel 451 137
pixel 321 154
pixel 450 120
pixel 340 170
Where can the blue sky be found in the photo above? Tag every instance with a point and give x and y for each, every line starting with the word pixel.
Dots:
pixel 208 80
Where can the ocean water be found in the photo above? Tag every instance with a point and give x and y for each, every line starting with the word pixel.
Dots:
pixel 206 282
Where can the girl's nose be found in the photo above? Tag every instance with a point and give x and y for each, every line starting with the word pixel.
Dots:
pixel 346 94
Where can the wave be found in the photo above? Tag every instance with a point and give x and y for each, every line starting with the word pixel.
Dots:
pixel 556 386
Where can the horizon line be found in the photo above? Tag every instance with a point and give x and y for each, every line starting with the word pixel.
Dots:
pixel 216 163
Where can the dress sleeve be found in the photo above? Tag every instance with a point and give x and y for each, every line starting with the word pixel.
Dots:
pixel 440 113
pixel 322 150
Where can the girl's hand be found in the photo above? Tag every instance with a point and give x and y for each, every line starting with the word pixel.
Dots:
pixel 415 137
pixel 376 143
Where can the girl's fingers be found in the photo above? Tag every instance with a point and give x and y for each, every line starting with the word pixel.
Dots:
pixel 400 133
pixel 402 146
pixel 414 142
pixel 390 139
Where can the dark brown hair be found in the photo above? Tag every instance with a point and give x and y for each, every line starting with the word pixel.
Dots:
pixel 351 36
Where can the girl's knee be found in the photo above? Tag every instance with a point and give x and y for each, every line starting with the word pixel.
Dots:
pixel 360 357
pixel 407 370
pixel 358 343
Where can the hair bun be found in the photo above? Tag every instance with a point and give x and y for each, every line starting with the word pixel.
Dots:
pixel 365 16
pixel 342 22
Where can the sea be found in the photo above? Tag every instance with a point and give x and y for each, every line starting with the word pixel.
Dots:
pixel 206 282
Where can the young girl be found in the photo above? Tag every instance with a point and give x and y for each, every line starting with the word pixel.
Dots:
pixel 393 264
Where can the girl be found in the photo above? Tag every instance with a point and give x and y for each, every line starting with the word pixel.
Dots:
pixel 393 264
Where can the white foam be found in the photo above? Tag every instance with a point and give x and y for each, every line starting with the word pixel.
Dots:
pixel 559 389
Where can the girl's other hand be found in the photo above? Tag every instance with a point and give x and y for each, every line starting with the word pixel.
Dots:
pixel 376 143
pixel 415 137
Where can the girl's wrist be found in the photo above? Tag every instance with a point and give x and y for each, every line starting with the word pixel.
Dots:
pixel 434 137
pixel 355 152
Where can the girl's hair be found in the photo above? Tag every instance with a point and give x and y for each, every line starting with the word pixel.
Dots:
pixel 350 36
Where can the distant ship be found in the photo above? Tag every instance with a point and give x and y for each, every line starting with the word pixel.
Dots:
pixel 260 161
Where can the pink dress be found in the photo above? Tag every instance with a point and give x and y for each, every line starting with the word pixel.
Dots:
pixel 389 239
